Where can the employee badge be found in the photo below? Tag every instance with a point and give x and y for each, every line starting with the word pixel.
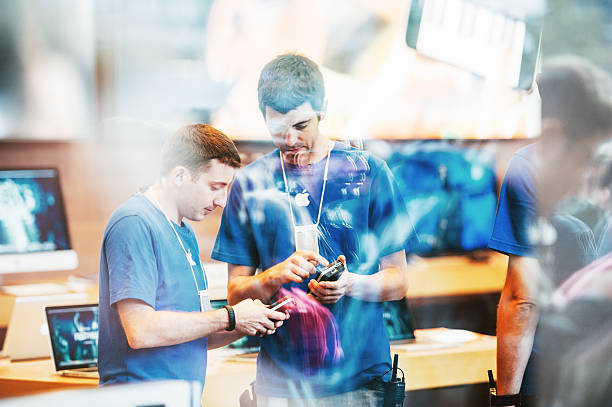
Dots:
pixel 307 238
pixel 204 300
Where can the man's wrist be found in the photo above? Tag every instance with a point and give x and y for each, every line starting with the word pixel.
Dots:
pixel 506 400
pixel 268 284
pixel 352 281
pixel 231 318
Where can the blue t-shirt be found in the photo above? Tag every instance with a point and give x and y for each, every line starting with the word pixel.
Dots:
pixel 363 217
pixel 517 206
pixel 513 229
pixel 515 221
pixel 141 258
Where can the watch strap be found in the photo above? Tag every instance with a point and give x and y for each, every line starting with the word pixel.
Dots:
pixel 506 400
pixel 232 317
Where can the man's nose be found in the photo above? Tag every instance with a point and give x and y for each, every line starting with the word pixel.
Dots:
pixel 290 137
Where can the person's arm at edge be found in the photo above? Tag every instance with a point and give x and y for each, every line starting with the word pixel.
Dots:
pixel 147 328
pixel 517 317
pixel 390 283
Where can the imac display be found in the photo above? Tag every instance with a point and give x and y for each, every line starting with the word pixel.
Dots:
pixel 33 228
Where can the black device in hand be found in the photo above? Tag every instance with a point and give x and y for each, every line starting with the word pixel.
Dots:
pixel 331 272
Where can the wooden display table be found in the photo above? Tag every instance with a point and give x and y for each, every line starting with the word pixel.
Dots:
pixel 456 275
pixel 37 376
pixel 452 366
pixel 424 369
pixel 431 368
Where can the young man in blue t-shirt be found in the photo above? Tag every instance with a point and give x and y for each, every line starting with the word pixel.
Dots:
pixel 155 316
pixel 543 246
pixel 309 202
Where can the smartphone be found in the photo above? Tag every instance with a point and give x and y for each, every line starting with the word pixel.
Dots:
pixel 284 304
pixel 331 272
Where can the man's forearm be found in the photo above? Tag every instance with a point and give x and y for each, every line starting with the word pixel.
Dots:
pixel 388 284
pixel 165 328
pixel 517 317
pixel 515 332
pixel 255 287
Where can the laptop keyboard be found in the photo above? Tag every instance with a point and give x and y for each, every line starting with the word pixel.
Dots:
pixel 90 372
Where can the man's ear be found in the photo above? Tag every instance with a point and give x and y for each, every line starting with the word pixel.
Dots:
pixel 178 175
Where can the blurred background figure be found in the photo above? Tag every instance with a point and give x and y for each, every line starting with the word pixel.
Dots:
pixel 591 203
pixel 47 70
pixel 576 338
pixel 576 330
pixel 545 245
pixel 603 227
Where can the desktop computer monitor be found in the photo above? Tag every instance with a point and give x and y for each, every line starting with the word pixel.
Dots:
pixel 33 229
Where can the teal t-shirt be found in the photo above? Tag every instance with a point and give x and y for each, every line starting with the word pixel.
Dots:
pixel 363 217
pixel 141 258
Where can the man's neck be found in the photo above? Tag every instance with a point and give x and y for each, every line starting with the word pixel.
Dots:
pixel 164 201
pixel 320 149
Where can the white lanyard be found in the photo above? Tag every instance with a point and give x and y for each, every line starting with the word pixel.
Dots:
pixel 187 254
pixel 322 189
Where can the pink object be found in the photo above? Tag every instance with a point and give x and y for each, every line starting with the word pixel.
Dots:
pixel 313 331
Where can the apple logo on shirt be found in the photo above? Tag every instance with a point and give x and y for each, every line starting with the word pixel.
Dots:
pixel 302 199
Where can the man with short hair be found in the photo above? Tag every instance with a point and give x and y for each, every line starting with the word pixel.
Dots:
pixel 306 203
pixel 155 316
pixel 545 247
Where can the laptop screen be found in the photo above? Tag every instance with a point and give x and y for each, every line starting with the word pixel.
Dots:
pixel 73 331
pixel 398 322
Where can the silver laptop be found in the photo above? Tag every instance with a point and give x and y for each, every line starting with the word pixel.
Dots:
pixel 27 336
pixel 73 334
pixel 399 325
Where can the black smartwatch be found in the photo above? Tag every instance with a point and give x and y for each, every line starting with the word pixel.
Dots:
pixel 232 318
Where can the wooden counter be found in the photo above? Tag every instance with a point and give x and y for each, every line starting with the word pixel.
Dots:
pixel 456 275
pixel 37 376
pixel 450 366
